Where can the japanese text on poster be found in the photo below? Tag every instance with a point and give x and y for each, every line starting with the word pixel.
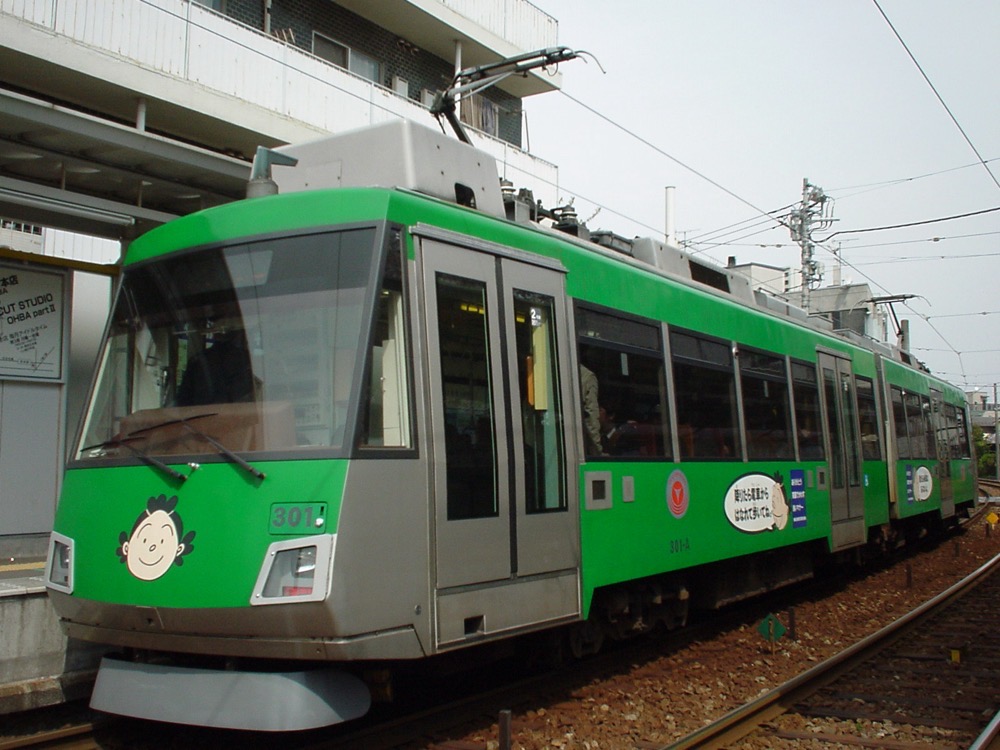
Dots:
pixel 31 323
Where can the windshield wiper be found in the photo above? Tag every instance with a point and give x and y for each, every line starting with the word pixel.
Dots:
pixel 184 421
pixel 243 464
pixel 223 450
pixel 154 462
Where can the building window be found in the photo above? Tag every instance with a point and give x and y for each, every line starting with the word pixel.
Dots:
pixel 481 113
pixel 216 5
pixel 344 57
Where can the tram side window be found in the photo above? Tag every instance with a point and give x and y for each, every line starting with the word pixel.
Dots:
pixel 387 411
pixel 951 431
pixel 871 448
pixel 766 410
pixel 964 449
pixel 805 389
pixel 911 414
pixel 918 409
pixel 705 391
pixel 623 384
pixel 899 422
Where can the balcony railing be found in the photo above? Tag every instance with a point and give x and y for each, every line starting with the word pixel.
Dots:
pixel 184 41
pixel 518 21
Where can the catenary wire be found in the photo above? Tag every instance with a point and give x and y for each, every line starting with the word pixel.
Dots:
pixel 872 186
pixel 674 159
pixel 912 223
pixel 939 97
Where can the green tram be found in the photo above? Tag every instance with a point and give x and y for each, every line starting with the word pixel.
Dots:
pixel 342 426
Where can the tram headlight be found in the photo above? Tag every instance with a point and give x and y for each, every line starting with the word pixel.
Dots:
pixel 295 570
pixel 292 573
pixel 59 566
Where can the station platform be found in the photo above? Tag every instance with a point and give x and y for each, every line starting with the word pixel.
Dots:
pixel 39 666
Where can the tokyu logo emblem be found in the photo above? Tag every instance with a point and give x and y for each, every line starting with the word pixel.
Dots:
pixel 678 494
pixel 157 540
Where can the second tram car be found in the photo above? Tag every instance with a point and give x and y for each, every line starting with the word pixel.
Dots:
pixel 347 425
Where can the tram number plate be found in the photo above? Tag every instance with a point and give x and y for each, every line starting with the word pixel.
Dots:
pixel 296 519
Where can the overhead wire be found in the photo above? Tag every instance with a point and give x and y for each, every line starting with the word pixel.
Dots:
pixel 939 97
pixel 734 242
pixel 672 158
pixel 920 258
pixel 723 232
pixel 905 304
pixel 872 186
pixel 738 224
pixel 912 223
pixel 706 236
pixel 927 239
pixel 967 351
pixel 719 239
pixel 768 215
pixel 963 315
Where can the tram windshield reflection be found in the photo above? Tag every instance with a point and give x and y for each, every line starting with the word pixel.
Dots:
pixel 263 337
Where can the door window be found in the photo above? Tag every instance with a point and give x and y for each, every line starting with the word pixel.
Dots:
pixel 836 430
pixel 538 385
pixel 467 397
pixel 850 429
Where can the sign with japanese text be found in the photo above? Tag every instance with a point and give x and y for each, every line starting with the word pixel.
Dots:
pixel 31 323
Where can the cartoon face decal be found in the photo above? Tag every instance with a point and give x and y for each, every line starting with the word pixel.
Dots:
pixel 779 510
pixel 157 540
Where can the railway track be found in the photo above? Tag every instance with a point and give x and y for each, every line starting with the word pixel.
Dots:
pixel 79 736
pixel 989 487
pixel 933 671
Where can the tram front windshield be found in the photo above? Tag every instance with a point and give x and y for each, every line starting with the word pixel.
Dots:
pixel 254 346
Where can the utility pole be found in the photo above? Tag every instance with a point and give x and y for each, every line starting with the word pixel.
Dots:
pixel 814 212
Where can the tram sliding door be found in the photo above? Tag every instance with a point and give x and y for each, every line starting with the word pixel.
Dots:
pixel 505 540
pixel 841 418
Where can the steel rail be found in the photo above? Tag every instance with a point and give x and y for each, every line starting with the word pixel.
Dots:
pixel 989 487
pixel 743 720
pixel 77 736
pixel 988 736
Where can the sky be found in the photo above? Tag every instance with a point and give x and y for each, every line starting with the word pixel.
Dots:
pixel 735 102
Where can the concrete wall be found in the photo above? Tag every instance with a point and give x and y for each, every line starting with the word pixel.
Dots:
pixel 39 666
